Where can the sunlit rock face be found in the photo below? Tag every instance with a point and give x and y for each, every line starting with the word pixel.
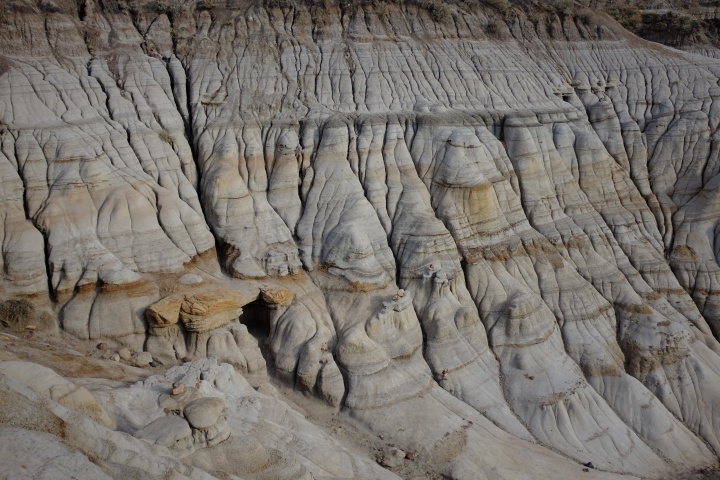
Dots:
pixel 491 238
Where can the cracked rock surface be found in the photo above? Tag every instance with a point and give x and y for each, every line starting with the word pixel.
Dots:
pixel 490 239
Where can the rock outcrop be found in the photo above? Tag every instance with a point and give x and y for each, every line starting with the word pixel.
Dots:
pixel 486 232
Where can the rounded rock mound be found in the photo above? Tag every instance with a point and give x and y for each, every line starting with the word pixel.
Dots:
pixel 204 412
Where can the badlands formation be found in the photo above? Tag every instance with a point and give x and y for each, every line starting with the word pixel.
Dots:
pixel 370 240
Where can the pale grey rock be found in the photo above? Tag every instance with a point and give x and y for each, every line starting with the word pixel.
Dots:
pixel 142 359
pixel 172 432
pixel 392 457
pixel 172 403
pixel 116 454
pixel 262 436
pixel 41 456
pixel 46 382
pixel 544 194
pixel 190 279
pixel 22 256
pixel 204 412
pixel 205 323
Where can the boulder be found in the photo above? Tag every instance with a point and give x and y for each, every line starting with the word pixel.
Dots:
pixel 125 354
pixel 170 431
pixel 205 412
pixel 142 359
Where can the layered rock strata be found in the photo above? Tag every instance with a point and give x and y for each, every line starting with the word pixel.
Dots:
pixel 485 235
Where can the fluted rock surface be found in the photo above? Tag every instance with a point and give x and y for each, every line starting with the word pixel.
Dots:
pixel 491 237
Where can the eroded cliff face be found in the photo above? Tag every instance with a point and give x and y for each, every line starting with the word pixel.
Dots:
pixel 492 239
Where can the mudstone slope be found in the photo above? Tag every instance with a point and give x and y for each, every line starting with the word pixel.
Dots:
pixel 490 238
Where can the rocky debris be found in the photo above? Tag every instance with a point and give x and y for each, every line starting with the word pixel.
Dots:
pixel 269 439
pixel 142 359
pixel 111 356
pixel 392 457
pixel 124 354
pixel 174 403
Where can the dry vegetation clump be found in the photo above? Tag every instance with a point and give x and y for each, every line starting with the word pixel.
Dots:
pixel 14 313
pixel 682 24
pixel 562 6
pixel 48 6
pixel 169 7
pixel 438 10
pixel 684 252
pixel 166 137
pixel 20 315
pixel 704 473
pixel 174 7
pixel 502 6
pixel 279 4
pixel 627 14
pixel 493 27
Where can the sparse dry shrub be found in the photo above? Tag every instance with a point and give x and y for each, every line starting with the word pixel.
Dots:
pixel 502 6
pixel 381 10
pixel 627 14
pixel 166 137
pixel 684 252
pixel 48 6
pixel 172 7
pixel 563 6
pixel 438 11
pixel 279 4
pixel 15 313
pixel 493 27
